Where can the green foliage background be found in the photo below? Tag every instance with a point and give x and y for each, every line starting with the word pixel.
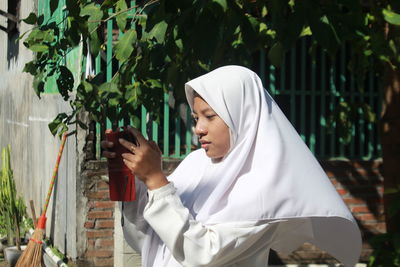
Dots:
pixel 12 208
pixel 167 42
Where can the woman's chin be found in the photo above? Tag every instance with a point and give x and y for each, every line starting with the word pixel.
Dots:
pixel 213 157
pixel 209 153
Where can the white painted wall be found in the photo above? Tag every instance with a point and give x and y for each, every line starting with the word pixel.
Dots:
pixel 23 125
pixel 124 255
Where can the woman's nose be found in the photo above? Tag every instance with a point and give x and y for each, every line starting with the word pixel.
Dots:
pixel 200 129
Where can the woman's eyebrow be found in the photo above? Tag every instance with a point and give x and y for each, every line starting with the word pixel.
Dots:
pixel 203 111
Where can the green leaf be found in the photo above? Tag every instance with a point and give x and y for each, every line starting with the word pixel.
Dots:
pixel 179 44
pixel 142 20
pixel 222 3
pixel 94 43
pixel 36 34
pixel 38 85
pixel 65 81
pixel 108 87
pixel 31 68
pixel 305 32
pixel 131 94
pixel 38 48
pixel 72 33
pixel 391 17
pixel 21 36
pixel 159 31
pixel 276 54
pixel 48 36
pixel 325 35
pixel 110 94
pixel 95 15
pixel 321 28
pixel 88 87
pixel 57 123
pixel 31 19
pixel 264 11
pixel 369 115
pixel 113 102
pixel 124 47
pixel 37 37
pixel 40 19
pixel 98 79
pixel 154 83
pixel 121 18
pixel 108 4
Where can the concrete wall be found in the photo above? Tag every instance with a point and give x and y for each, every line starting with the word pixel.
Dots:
pixel 23 125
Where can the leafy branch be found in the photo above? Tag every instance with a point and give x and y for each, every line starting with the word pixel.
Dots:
pixel 166 44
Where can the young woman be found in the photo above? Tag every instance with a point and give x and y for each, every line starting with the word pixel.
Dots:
pixel 253 186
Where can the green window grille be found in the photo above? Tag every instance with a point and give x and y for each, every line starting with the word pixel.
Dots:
pixel 309 89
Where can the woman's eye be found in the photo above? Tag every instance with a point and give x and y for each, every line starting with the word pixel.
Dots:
pixel 194 120
pixel 210 116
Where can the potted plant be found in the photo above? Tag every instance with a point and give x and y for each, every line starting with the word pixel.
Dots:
pixel 12 209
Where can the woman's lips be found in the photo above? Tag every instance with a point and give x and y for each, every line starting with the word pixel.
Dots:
pixel 205 144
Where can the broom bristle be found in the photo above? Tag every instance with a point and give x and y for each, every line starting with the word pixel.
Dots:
pixel 32 255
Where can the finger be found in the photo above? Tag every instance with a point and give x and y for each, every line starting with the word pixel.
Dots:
pixel 131 165
pixel 139 137
pixel 110 130
pixel 128 145
pixel 109 155
pixel 128 157
pixel 106 144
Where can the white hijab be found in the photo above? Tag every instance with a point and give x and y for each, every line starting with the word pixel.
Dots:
pixel 269 173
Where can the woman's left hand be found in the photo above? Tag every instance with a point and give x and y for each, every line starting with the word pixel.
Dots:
pixel 145 160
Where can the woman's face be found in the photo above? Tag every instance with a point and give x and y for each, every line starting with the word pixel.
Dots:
pixel 212 131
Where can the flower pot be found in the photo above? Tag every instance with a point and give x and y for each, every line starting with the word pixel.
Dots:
pixel 12 254
pixel 121 179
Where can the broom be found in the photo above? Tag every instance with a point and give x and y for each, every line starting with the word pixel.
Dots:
pixel 32 255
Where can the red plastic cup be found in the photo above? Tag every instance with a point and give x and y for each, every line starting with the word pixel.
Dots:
pixel 121 179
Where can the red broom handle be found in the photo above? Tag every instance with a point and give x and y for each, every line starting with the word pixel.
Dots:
pixel 53 179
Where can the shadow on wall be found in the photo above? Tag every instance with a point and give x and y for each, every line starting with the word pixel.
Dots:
pixel 12 48
pixel 12 31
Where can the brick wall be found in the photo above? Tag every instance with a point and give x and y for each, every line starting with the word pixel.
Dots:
pixel 99 224
pixel 358 182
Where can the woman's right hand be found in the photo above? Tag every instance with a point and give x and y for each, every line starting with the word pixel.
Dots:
pixel 106 145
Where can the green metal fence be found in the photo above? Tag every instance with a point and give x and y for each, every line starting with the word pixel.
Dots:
pixel 307 90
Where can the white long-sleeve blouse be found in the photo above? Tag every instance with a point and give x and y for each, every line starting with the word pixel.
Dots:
pixel 188 242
